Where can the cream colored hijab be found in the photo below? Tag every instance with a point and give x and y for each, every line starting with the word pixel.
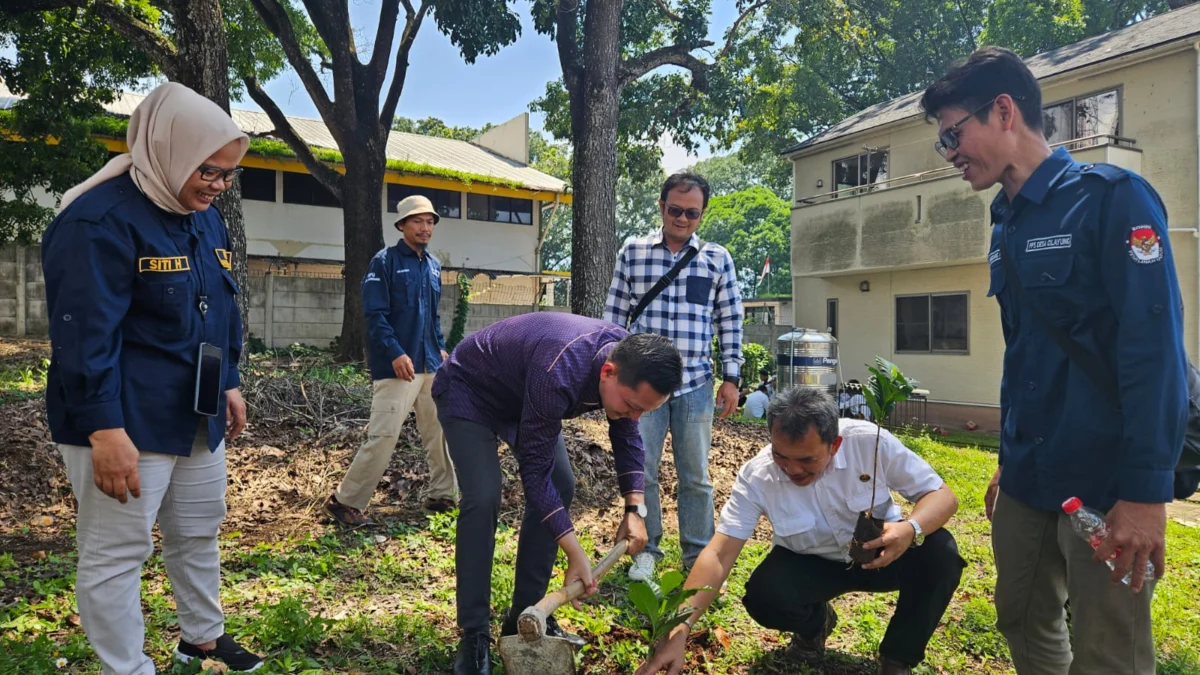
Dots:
pixel 170 134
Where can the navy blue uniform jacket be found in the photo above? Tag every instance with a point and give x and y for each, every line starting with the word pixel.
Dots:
pixel 124 280
pixel 1090 244
pixel 401 292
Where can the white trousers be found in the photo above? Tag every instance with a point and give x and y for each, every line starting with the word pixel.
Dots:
pixel 186 496
pixel 391 402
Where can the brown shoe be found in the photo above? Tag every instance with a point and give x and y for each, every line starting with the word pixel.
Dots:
pixel 811 651
pixel 346 516
pixel 439 505
pixel 890 667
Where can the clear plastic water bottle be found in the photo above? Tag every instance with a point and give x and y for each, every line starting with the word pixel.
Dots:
pixel 1089 524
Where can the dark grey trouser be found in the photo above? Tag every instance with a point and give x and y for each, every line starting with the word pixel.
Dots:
pixel 1040 564
pixel 477 464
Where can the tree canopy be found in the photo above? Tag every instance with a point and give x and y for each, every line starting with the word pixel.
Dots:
pixel 67 64
pixel 804 66
pixel 753 224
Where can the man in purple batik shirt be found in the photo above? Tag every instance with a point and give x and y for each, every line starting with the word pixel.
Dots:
pixel 518 379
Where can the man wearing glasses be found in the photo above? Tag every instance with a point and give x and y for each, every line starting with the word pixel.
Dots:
pixel 675 285
pixel 1082 268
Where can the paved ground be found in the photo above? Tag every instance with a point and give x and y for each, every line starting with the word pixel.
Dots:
pixel 1186 512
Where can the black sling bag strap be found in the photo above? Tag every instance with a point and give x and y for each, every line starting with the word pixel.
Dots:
pixel 661 285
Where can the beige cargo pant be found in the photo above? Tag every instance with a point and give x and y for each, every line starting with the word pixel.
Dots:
pixel 390 405
pixel 186 496
pixel 1040 563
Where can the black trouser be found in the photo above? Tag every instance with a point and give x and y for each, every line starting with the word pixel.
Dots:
pixel 788 592
pixel 477 465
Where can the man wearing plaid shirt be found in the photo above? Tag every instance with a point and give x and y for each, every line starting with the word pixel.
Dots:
pixel 704 294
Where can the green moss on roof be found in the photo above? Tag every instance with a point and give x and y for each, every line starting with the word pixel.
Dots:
pixel 116 127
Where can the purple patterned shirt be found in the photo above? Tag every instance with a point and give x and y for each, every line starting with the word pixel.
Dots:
pixel 521 377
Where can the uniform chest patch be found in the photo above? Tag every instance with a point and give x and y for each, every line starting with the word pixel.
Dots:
pixel 225 258
pixel 1048 243
pixel 173 264
pixel 1144 245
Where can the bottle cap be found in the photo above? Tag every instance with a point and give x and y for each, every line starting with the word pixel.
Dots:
pixel 1071 505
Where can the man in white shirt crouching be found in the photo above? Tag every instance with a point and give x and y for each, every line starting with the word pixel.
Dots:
pixel 811 483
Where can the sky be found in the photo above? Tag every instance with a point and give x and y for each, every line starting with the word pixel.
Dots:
pixel 495 89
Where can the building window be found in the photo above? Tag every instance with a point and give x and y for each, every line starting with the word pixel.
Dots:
pixel 831 316
pixel 303 189
pixel 1092 115
pixel 258 184
pixel 932 323
pixel 500 209
pixel 865 169
pixel 447 202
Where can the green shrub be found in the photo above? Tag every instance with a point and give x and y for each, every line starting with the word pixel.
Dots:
pixel 459 328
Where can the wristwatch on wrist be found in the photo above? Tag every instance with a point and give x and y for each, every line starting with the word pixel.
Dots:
pixel 920 534
pixel 639 509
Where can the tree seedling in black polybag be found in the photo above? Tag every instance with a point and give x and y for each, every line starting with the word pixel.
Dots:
pixel 886 388
pixel 664 604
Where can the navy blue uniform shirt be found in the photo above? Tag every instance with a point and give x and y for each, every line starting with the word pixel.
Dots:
pixel 1090 244
pixel 401 292
pixel 124 280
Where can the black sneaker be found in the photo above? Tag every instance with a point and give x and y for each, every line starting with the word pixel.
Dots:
pixel 226 651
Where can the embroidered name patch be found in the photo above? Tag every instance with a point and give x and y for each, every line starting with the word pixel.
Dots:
pixel 994 257
pixel 225 258
pixel 1144 245
pixel 176 264
pixel 1048 243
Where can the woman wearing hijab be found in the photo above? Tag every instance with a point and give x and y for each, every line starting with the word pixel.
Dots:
pixel 138 287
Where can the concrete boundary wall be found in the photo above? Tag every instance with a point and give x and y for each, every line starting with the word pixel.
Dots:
pixel 284 309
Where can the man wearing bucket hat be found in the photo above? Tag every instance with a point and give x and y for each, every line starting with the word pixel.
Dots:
pixel 401 292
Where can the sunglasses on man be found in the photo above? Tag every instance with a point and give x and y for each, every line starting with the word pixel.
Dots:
pixel 692 214
pixel 948 138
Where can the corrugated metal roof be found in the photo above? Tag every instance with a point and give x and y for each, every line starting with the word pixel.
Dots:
pixel 1158 30
pixel 443 153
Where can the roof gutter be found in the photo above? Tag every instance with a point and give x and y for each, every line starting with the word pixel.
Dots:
pixel 1131 58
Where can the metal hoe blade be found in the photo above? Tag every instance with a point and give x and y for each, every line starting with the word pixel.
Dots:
pixel 543 656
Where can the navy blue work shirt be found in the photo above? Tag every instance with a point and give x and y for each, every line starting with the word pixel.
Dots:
pixel 401 292
pixel 1091 247
pixel 124 280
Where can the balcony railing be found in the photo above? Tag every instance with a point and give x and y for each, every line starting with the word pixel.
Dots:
pixel 1075 145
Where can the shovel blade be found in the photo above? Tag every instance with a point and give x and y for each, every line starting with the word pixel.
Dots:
pixel 544 656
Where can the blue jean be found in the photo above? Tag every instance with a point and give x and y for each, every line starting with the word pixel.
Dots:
pixel 689 418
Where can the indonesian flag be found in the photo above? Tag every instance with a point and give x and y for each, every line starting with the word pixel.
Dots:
pixel 766 270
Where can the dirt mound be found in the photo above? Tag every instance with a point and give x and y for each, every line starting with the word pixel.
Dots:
pixel 302 436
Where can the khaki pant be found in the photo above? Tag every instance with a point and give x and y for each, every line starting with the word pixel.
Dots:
pixel 1040 563
pixel 390 405
pixel 186 496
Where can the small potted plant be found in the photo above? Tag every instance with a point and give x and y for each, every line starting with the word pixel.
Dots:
pixel 887 387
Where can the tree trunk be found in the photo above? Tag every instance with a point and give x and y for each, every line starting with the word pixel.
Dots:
pixel 202 64
pixel 594 236
pixel 362 224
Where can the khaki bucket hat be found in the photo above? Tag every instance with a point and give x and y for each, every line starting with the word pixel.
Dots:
pixel 415 205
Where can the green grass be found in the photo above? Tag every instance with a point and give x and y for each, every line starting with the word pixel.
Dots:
pixel 23 382
pixel 347 603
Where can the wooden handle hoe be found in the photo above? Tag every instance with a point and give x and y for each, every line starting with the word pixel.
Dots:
pixel 531 652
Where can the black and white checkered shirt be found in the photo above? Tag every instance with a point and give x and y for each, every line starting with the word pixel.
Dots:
pixel 705 293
